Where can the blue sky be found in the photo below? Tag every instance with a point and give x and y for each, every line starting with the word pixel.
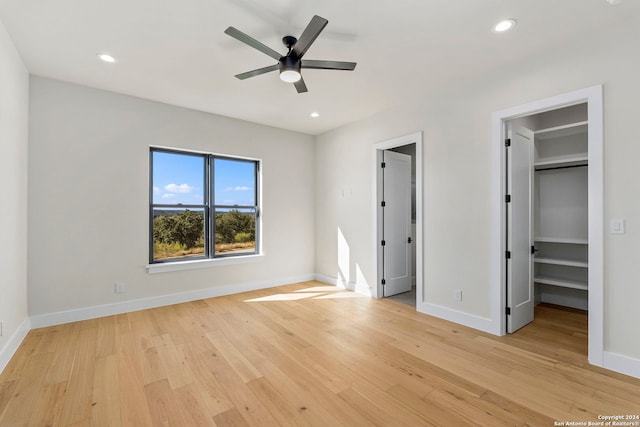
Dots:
pixel 179 179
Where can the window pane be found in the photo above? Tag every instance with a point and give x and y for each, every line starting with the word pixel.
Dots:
pixel 235 182
pixel 178 233
pixel 235 231
pixel 178 179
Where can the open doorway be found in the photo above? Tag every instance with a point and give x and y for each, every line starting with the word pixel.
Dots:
pixel 398 223
pixel 551 211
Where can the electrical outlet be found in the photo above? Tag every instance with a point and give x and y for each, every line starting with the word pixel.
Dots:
pixel 118 288
pixel 457 295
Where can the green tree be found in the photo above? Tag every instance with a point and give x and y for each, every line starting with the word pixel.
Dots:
pixel 189 228
pixel 234 223
pixel 185 228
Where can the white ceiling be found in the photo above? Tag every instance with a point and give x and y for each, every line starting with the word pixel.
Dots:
pixel 175 51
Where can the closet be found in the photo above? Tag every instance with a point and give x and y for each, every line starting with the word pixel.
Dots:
pixel 560 207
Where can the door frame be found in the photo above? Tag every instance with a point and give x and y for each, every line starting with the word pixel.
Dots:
pixel 594 97
pixel 414 138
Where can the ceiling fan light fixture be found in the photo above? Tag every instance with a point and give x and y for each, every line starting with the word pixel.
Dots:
pixel 290 69
pixel 290 76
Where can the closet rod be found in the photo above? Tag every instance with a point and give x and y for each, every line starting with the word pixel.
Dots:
pixel 561 167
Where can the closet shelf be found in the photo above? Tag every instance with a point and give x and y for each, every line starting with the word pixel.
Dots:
pixel 562 261
pixel 561 131
pixel 572 284
pixel 568 240
pixel 581 159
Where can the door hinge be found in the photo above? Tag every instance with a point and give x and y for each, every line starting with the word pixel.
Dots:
pixel 383 204
pixel 384 282
pixel 507 198
pixel 383 243
pixel 507 142
pixel 507 254
pixel 533 250
pixel 383 165
pixel 507 311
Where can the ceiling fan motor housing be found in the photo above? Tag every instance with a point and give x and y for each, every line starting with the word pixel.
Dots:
pixel 289 62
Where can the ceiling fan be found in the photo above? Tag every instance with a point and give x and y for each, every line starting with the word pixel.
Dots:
pixel 291 64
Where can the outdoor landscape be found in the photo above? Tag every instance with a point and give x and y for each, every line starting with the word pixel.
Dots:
pixel 180 233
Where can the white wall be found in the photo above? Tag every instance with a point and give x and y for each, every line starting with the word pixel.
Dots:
pixel 89 196
pixel 457 176
pixel 14 107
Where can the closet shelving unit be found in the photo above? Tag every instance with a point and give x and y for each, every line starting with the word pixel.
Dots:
pixel 561 208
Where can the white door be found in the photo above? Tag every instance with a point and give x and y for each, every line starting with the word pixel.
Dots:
pixel 520 294
pixel 396 223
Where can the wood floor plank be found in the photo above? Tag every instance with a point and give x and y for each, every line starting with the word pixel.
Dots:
pixel 215 398
pixel 6 393
pixel 134 408
pixel 47 409
pixel 105 408
pixel 18 409
pixel 245 370
pixel 231 418
pixel 307 354
pixel 106 341
pixel 77 405
pixel 194 403
pixel 163 405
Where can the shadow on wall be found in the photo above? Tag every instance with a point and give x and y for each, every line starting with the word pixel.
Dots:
pixel 350 275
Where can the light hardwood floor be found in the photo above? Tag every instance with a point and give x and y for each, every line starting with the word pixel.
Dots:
pixel 307 354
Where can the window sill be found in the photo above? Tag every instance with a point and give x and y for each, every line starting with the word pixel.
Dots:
pixel 201 263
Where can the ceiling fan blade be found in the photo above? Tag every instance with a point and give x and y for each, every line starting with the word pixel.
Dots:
pixel 257 72
pixel 327 65
pixel 309 35
pixel 246 39
pixel 300 86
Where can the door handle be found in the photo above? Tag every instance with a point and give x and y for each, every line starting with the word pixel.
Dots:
pixel 409 240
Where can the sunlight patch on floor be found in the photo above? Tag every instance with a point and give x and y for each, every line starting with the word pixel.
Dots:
pixel 284 297
pixel 327 288
pixel 343 295
pixel 312 292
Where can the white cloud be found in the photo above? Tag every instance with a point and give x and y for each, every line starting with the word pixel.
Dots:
pixel 238 188
pixel 168 195
pixel 181 188
pixel 156 189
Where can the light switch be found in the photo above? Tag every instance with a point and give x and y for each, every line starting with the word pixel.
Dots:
pixel 617 226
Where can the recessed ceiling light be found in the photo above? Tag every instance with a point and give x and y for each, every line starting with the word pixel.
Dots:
pixel 315 114
pixel 105 57
pixel 504 25
pixel 613 2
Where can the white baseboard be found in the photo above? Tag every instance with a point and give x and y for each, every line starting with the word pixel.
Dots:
pixel 466 319
pixel 623 364
pixel 58 318
pixel 359 288
pixel 9 349
pixel 326 279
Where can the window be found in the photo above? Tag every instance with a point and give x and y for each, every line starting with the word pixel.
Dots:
pixel 202 206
